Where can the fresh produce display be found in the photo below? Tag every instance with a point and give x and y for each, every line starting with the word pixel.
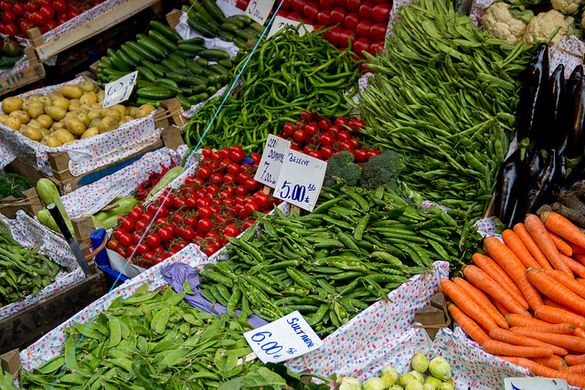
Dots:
pixel 570 204
pixel 218 202
pixel 49 194
pixel 10 53
pixel 108 217
pixel 522 300
pixel 354 248
pixel 24 271
pixel 288 74
pixel 357 23
pixel 72 112
pixel 445 97
pixel 437 370
pixel 12 184
pixel 156 181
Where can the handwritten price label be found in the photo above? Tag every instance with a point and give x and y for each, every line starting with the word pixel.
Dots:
pixel 283 339
pixel 259 10
pixel 300 179
pixel 119 90
pixel 535 384
pixel 281 22
pixel 271 161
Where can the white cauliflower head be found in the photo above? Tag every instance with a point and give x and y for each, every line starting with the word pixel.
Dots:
pixel 567 7
pixel 543 25
pixel 498 20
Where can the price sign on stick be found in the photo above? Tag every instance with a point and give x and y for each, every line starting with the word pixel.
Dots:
pixel 119 90
pixel 280 22
pixel 271 161
pixel 300 179
pixel 259 10
pixel 283 339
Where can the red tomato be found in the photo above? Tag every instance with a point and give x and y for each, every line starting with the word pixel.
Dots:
pixel 299 136
pixel 10 29
pixel 126 224
pixel 343 135
pixel 346 145
pixel 206 152
pixel 256 158
pixel 365 10
pixel 334 129
pixel 262 200
pixel 311 129
pixel 378 31
pixel 188 234
pixel 351 21
pixel 337 15
pixel 203 172
pixel 237 156
pixel 250 184
pixel 216 178
pixel 125 240
pixel 288 128
pixel 310 11
pixel 326 152
pixel 47 12
pixel 241 4
pixel 326 139
pixel 326 4
pixel 361 44
pixel 59 6
pixel 344 37
pixel 333 34
pixel 30 6
pixel 298 5
pixel 72 13
pixel 205 212
pixel 153 240
pixel 5 5
pixel 324 124
pixel 340 3
pixel 142 248
pixel 24 25
pixel 355 124
pixel 353 5
pixel 323 17
pixel 165 234
pixel 316 154
pixel 294 15
pixel 381 12
pixel 231 231
pixel 377 47
pixel 251 207
pixel 203 225
pixel 113 245
pixel 360 155
pixel 9 17
pixel 363 28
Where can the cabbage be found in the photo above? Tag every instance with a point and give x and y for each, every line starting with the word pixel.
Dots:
pixel 449 385
pixel 348 383
pixel 440 368
pixel 414 385
pixel 407 378
pixel 374 383
pixel 419 363
pixel 432 381
pixel 390 375
pixel 418 376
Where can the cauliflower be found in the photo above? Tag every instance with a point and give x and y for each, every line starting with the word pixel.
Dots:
pixel 545 24
pixel 567 7
pixel 500 22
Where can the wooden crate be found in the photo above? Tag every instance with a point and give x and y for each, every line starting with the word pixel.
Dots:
pixel 66 182
pixel 18 79
pixel 30 204
pixel 22 329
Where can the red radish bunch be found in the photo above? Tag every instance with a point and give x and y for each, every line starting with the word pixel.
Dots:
pixel 216 203
pixel 321 137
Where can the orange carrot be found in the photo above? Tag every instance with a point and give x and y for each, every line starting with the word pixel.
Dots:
pixel 538 369
pixel 524 340
pixel 555 362
pixel 561 244
pixel 580 258
pixel 490 267
pixel 560 225
pixel 573 360
pixel 514 268
pixel 516 245
pixel 524 321
pixel 577 250
pixel 575 267
pixel 481 280
pixel 551 328
pixel 559 316
pixel 466 304
pixel 540 235
pixel 483 301
pixel 564 341
pixel 577 369
pixel 568 282
pixel 548 302
pixel 503 311
pixel 533 248
pixel 579 332
pixel 498 348
pixel 555 290
pixel 468 325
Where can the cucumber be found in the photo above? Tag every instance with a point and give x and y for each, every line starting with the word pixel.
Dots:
pixel 156 93
pixel 150 44
pixel 200 28
pixel 218 69
pixel 243 18
pixel 169 65
pixel 127 59
pixel 204 16
pixel 184 101
pixel 190 48
pixel 226 36
pixel 154 69
pixel 196 81
pixel 196 88
pixel 246 35
pixel 116 62
pixel 214 54
pixel 211 90
pixel 192 41
pixel 162 40
pixel 165 30
pixel 146 73
pixel 194 67
pixel 48 193
pixel 202 62
pixel 198 98
pixel 137 58
pixel 177 59
pixel 230 27
pixel 176 77
pixel 214 10
pixel 252 32
pixel 142 101
pixel 145 83
pixel 168 83
pixel 226 63
pixel 241 43
pixel 237 21
pixel 257 26
pixel 146 54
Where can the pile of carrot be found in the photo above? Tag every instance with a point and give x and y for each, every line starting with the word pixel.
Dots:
pixel 524 299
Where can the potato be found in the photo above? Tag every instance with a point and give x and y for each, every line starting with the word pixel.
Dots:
pixel 58 125
pixel 121 109
pixel 95 122
pixel 3 118
pixel 95 107
pixel 13 122
pixel 127 118
pixel 34 98
pixel 45 120
pixel 47 101
pixel 144 110
pixel 93 114
pixel 53 141
pixel 61 102
pixel 12 104
pixel 44 132
pixel 32 133
pixel 108 123
pixel 71 91
pixel 75 126
pixel 56 113
pixel 74 104
pixel 101 95
pixel 88 86
pixel 63 135
pixel 84 118
pixel 34 123
pixel 36 109
pixel 88 98
pixel 21 115
pixel 90 132
pixel 55 95
pixel 131 111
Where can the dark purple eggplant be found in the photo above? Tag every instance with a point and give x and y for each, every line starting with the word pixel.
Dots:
pixel 576 115
pixel 555 130
pixel 574 79
pixel 539 189
pixel 506 196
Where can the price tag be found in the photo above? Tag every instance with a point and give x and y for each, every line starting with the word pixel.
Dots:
pixel 535 383
pixel 271 161
pixel 259 10
pixel 281 22
pixel 283 339
pixel 119 90
pixel 300 179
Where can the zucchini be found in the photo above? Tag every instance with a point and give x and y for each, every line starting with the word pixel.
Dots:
pixel 146 54
pixel 214 54
pixel 202 15
pixel 156 93
pixel 195 88
pixel 150 44
pixel 48 193
pixel 165 30
pixel 162 40
pixel 169 65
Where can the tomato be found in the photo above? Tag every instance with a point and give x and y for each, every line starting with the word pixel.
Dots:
pixel 165 234
pixel 8 17
pixel 203 172
pixel 231 231
pixel 206 152
pixel 113 245
pixel 142 248
pixel 5 5
pixel 334 129
pixel 126 224
pixel 216 178
pixel 294 15
pixel 153 240
pixel 250 184
pixel 363 28
pixel 355 142
pixel 141 225
pixel 372 153
pixel 298 5
pixel 188 234
pixel 310 11
pixel 323 17
pixel 136 212
pixel 377 47
pixel 316 154
pixel 337 15
pixel 233 168
pixel 326 152
pixel 344 37
pixel 237 156
pixel 190 221
pixel 262 200
pixel 351 21
pixel 361 44
pixel 10 29
pixel 346 145
pixel 378 31
pixel 355 124
pixel 326 4
pixel 343 135
pixel 125 240
pixel 241 190
pixel 203 225
pixel 242 177
pixel 381 12
pixel 360 155
pixel 299 135
pixel 311 129
pixel 59 5
pixel 30 6
pixel 326 139
pixel 24 25
pixel 46 11
pixel 37 18
pixel 121 252
pixel 324 124
pixel 256 158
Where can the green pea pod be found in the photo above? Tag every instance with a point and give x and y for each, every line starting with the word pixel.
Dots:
pixel 115 331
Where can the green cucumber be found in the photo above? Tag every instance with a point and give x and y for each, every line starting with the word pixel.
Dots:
pixel 218 69
pixel 226 36
pixel 178 60
pixel 170 84
pixel 230 27
pixel 116 62
pixel 214 54
pixel 237 21
pixel 154 69
pixel 202 62
pixel 213 10
pixel 246 35
pixel 196 80
pixel 192 41
pixel 146 73
pixel 200 28
pixel 156 93
pixel 184 101
pixel 194 67
pixel 198 98
pixel 162 40
pixel 127 59
pixel 190 48
pixel 146 54
pixel 150 44
pixel 136 57
pixel 165 30
pixel 227 63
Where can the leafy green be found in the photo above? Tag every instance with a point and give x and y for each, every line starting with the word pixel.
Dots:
pixel 12 184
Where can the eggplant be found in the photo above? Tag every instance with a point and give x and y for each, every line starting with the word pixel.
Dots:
pixel 576 115
pixel 574 79
pixel 506 197
pixel 555 134
pixel 540 187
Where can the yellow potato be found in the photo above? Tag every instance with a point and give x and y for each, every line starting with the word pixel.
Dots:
pixel 34 123
pixel 131 111
pixel 108 123
pixel 53 141
pixel 64 136
pixel 88 98
pixel 88 86
pixel 83 118
pixel 121 109
pixel 21 115
pixel 13 122
pixel 90 132
pixel 44 132
pixel 58 125
pixel 95 122
pixel 75 126
pixel 47 101
pixel 35 109
pixel 100 96
pixel 55 95
pixel 34 98
pixel 74 104
pixel 12 104
pixel 56 113
pixel 32 133
pixel 95 107
pixel 144 110
pixel 71 91
pixel 61 102
pixel 93 114
pixel 45 120
pixel 3 118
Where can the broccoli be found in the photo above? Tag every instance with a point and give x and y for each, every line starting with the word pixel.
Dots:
pixel 341 166
pixel 382 171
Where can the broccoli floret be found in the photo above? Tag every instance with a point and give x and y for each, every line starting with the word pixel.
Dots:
pixel 341 166
pixel 382 171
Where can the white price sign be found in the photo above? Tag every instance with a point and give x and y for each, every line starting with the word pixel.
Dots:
pixel 281 22
pixel 119 90
pixel 283 339
pixel 259 10
pixel 271 161
pixel 535 383
pixel 300 179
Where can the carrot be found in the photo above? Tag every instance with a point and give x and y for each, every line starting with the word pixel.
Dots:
pixel 579 332
pixel 551 328
pixel 540 235
pixel 568 282
pixel 540 370
pixel 520 230
pixel 516 245
pixel 577 250
pixel 514 268
pixel 503 311
pixel 560 225
pixel 554 361
pixel 499 348
pixel 573 360
pixel 565 341
pixel 481 280
pixel 524 340
pixel 524 321
pixel 577 369
pixel 559 316
pixel 483 301
pixel 490 267
pixel 548 302
pixel 466 304
pixel 555 290
pixel 576 267
pixel 469 326
pixel 561 244
pixel 580 258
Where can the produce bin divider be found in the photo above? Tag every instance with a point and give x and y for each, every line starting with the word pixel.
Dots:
pixel 171 115
pixel 30 204
pixel 17 79
pixel 173 17
pixel 10 362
